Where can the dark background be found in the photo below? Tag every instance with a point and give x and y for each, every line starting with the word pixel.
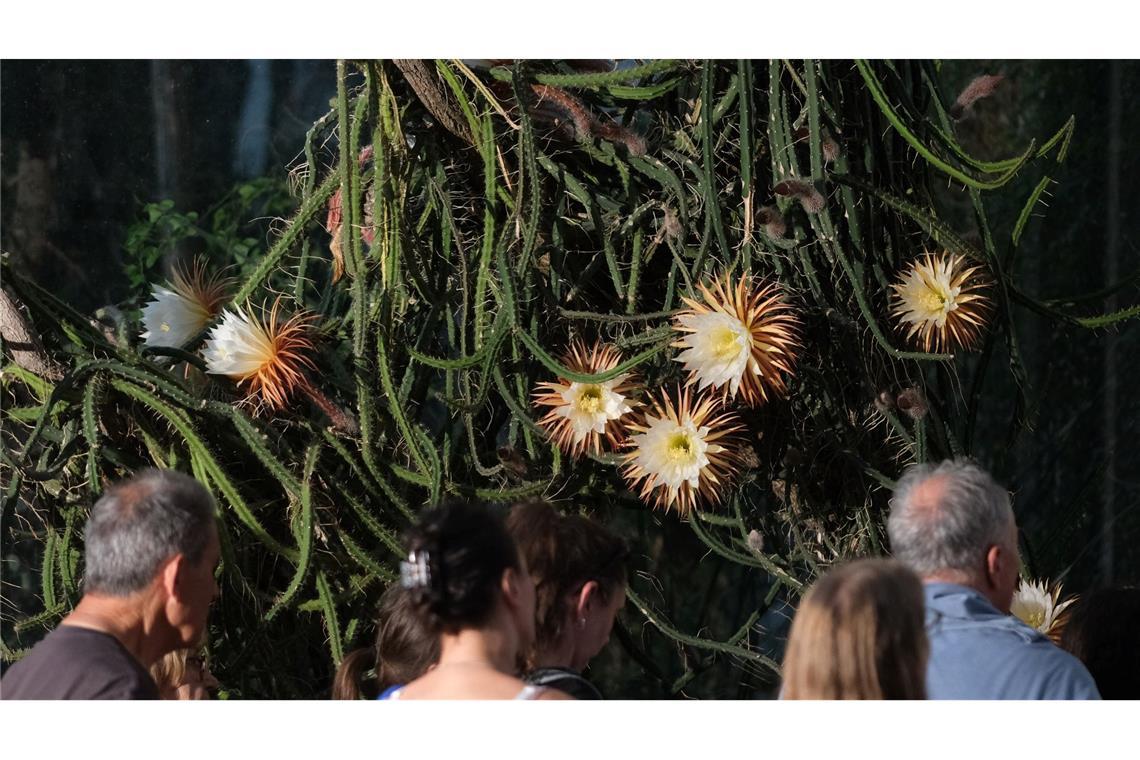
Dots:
pixel 87 143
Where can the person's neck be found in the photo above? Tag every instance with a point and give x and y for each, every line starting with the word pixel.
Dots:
pixel 125 618
pixel 563 654
pixel 479 646
pixel 962 579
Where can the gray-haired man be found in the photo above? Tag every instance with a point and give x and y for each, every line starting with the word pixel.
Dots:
pixel 955 527
pixel 151 549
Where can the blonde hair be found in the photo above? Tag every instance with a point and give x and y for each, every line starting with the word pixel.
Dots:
pixel 170 672
pixel 859 634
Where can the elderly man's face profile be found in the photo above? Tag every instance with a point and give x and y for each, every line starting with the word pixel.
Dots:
pixel 1011 569
pixel 1002 566
pixel 195 590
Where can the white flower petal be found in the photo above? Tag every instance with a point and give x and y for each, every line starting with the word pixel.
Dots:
pixel 673 454
pixel 927 293
pixel 238 347
pixel 590 406
pixel 171 318
pixel 718 349
pixel 1035 606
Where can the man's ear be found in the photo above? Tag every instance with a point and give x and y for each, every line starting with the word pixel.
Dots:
pixel 171 576
pixel 587 598
pixel 996 560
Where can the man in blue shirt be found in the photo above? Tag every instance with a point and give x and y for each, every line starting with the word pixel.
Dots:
pixel 955 527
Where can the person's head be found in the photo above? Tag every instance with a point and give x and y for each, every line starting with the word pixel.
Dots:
pixel 152 539
pixel 859 634
pixel 579 574
pixel 464 572
pixel 183 674
pixel 951 522
pixel 1102 633
pixel 403 652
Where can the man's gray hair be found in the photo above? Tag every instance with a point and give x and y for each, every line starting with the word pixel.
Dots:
pixel 140 523
pixel 952 528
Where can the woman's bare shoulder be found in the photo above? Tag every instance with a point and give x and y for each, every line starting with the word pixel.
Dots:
pixel 551 693
pixel 461 684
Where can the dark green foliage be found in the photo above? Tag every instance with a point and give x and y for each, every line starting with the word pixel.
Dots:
pixel 470 261
pixel 224 234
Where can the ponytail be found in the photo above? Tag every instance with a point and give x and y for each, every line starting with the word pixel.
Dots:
pixel 350 681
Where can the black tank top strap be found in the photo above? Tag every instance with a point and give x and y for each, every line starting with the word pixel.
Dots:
pixel 564 679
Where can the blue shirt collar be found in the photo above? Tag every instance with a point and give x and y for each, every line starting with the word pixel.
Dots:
pixel 957 601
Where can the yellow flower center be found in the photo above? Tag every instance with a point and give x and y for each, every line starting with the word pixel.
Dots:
pixel 590 399
pixel 680 448
pixel 724 345
pixel 934 299
pixel 1036 618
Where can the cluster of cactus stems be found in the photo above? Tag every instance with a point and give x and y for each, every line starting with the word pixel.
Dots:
pixel 501 212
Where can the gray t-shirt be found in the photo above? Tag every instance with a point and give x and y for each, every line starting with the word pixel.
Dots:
pixel 78 663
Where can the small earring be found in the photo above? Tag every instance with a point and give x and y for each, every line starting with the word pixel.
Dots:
pixel 582 623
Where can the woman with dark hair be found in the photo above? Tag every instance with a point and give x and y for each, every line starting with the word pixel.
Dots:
pixel 1101 632
pixel 579 573
pixel 859 634
pixel 404 651
pixel 470 588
